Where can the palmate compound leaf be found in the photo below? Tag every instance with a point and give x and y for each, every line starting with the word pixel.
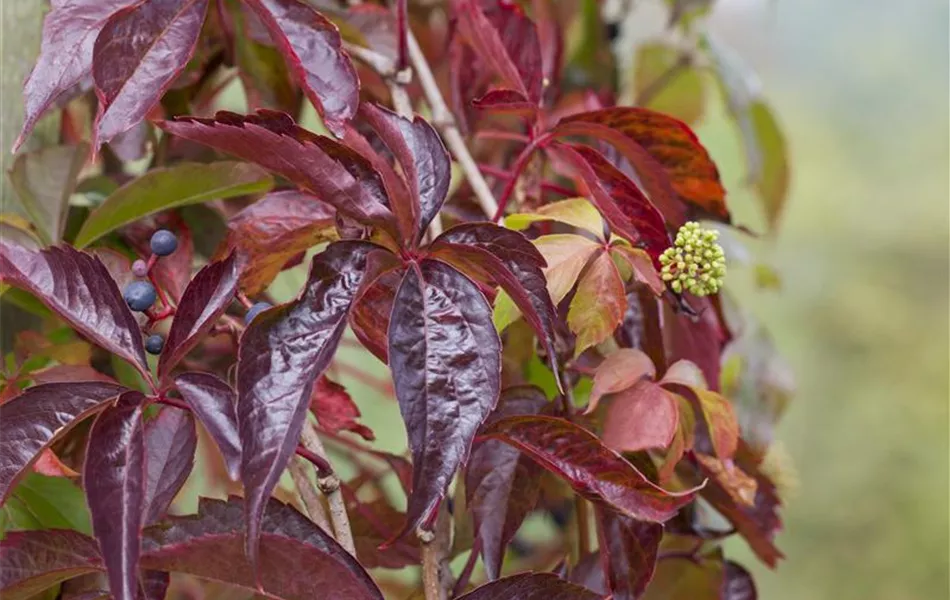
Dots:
pixel 214 404
pixel 282 354
pixel 445 357
pixel 592 469
pixel 79 289
pixel 312 48
pixel 137 56
pixel 114 478
pixel 333 172
pixel 207 545
pixel 531 586
pixel 35 418
pixel 501 484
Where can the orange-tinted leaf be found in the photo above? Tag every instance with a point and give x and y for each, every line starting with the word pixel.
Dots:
pixel 619 371
pixel 642 266
pixel 641 417
pixel 49 464
pixel 598 306
pixel 737 484
pixel 683 439
pixel 717 415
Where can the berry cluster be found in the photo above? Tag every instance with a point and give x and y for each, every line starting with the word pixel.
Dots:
pixel 140 295
pixel 695 263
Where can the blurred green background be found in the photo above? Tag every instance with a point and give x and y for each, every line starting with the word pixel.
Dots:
pixel 861 90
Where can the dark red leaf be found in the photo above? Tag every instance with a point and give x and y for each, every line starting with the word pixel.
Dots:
pixel 335 173
pixel 507 40
pixel 445 358
pixel 282 354
pixel 114 479
pixel 137 56
pixel 79 289
pixel 213 402
pixel 737 583
pixel 33 561
pixel 313 49
pixel 627 210
pixel 699 340
pixel 170 444
pixel 370 316
pixel 38 416
pixel 506 102
pixel 69 33
pixel 421 156
pixel 531 586
pixel 205 299
pixel 502 485
pixel 335 410
pixel 592 469
pixel 298 560
pixel 631 549
pixel 374 523
pixel 641 417
pixel 666 154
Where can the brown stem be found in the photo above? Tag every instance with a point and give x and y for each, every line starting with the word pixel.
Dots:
pixel 583 527
pixel 431 583
pixel 308 493
pixel 329 484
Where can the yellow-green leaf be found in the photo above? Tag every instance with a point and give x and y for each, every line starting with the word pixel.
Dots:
pixel 598 306
pixel 578 212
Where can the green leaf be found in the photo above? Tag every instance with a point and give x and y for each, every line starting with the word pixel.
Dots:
pixel 161 189
pixel 15 515
pixel 43 181
pixel 54 502
pixel 767 157
pixel 669 83
pixel 578 212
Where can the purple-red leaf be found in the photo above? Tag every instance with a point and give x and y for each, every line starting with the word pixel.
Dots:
pixel 592 469
pixel 213 402
pixel 33 561
pixel 335 173
pixel 282 353
pixel 312 47
pixel 370 316
pixel 531 586
pixel 298 560
pixel 502 485
pixel 170 443
pixel 629 212
pixel 205 299
pixel 641 417
pixel 445 358
pixel 631 549
pixel 114 479
pixel 79 289
pixel 507 102
pixel 699 340
pixel 335 410
pixel 35 418
pixel 137 56
pixel 69 34
pixel 421 156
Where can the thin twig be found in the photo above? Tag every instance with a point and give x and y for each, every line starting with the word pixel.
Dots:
pixel 308 493
pixel 445 121
pixel 329 484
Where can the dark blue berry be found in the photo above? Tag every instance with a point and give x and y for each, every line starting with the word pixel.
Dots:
pixel 163 242
pixel 255 310
pixel 140 268
pixel 139 295
pixel 154 343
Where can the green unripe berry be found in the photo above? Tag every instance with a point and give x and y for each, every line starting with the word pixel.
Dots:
pixel 695 262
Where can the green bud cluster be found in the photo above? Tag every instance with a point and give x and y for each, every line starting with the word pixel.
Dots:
pixel 695 263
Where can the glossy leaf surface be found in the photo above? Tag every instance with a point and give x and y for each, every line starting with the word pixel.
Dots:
pixel 215 404
pixel 593 470
pixel 282 353
pixel 445 357
pixel 79 289
pixel 631 548
pixel 170 444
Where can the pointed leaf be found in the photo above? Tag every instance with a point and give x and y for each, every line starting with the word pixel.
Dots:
pixel 598 305
pixel 205 299
pixel 79 289
pixel 445 357
pixel 214 403
pixel 69 33
pixel 335 173
pixel 422 157
pixel 210 545
pixel 720 427
pixel 267 80
pixel 38 416
pixel 501 485
pixel 620 370
pixel 33 561
pixel 170 443
pixel 114 479
pixel 270 232
pixel 631 549
pixel 578 212
pixel 640 417
pixel 371 311
pixel 53 502
pixel 335 410
pixel 630 213
pixel 137 56
pixel 531 586
pixel 282 354
pixel 665 153
pixel 507 102
pixel 312 48
pixel 170 187
pixel 593 470
pixel 642 266
pixel 43 181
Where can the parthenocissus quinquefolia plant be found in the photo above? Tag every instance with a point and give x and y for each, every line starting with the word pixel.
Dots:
pixel 249 231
